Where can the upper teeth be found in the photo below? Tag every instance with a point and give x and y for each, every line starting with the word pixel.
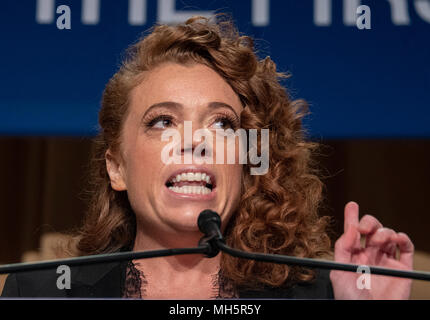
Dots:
pixel 192 176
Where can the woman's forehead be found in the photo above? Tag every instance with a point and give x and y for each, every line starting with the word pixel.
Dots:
pixel 187 85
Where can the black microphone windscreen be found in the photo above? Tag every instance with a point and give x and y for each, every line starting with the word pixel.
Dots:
pixel 206 220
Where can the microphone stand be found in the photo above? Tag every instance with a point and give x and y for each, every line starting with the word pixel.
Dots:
pixel 319 263
pixel 209 224
pixel 100 258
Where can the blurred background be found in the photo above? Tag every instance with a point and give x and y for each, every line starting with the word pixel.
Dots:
pixel 368 91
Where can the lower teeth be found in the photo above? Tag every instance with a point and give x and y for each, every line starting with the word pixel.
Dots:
pixel 191 189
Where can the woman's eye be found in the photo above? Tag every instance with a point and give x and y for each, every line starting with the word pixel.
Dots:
pixel 222 123
pixel 160 123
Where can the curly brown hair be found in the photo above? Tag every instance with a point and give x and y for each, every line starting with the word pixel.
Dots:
pixel 278 211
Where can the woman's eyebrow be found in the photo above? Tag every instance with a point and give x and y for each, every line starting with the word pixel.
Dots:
pixel 217 104
pixel 165 104
pixel 176 105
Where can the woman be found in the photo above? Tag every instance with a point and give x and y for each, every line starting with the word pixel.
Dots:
pixel 205 74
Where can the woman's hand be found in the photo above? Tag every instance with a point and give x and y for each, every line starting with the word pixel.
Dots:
pixel 380 250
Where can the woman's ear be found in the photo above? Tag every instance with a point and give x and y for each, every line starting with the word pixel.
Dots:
pixel 115 171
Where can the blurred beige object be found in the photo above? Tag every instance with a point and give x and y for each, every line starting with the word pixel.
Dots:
pixel 2 281
pixel 420 288
pixel 30 256
pixel 50 248
pixel 51 245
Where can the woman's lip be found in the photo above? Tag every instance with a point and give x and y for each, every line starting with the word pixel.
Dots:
pixel 192 196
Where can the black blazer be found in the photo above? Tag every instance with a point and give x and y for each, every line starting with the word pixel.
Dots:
pixel 106 280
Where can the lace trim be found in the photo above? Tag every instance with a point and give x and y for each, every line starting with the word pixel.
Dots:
pixel 135 284
pixel 222 288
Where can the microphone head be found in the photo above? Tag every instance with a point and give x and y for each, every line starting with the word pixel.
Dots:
pixel 206 220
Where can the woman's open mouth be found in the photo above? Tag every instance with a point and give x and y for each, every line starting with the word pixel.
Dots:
pixel 191 182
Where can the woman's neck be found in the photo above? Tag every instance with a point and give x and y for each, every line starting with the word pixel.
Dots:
pixel 181 276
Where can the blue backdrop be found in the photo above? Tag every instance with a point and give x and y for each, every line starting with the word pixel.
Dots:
pixel 359 83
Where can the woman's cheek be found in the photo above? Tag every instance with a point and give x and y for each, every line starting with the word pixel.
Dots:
pixel 235 174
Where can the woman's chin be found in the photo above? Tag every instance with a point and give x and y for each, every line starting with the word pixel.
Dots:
pixel 183 219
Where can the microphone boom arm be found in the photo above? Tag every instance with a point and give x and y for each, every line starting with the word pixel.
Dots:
pixel 100 258
pixel 209 223
pixel 319 263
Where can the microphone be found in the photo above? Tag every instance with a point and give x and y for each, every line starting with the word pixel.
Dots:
pixel 209 223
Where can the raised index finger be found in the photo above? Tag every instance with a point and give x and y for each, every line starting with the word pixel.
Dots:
pixel 351 215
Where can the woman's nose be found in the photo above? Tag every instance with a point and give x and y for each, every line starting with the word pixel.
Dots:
pixel 195 139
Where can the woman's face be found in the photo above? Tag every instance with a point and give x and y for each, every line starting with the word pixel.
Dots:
pixel 169 197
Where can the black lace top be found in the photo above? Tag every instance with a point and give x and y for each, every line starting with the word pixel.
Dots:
pixel 116 280
pixel 135 284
